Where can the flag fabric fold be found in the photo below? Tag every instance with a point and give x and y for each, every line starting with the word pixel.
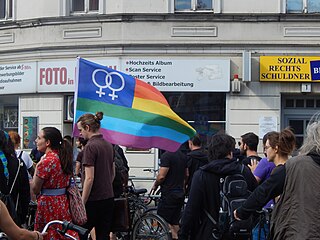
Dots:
pixel 135 113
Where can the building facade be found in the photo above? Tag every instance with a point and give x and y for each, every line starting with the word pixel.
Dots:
pixel 191 50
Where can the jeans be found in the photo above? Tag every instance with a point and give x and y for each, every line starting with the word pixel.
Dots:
pixel 264 232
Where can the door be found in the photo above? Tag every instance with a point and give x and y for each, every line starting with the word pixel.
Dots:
pixel 297 111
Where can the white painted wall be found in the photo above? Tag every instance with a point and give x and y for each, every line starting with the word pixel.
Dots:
pixel 47 107
pixel 137 6
pixel 36 9
pixel 250 6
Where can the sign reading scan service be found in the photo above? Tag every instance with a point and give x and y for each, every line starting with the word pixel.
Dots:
pixel 177 74
pixel 289 68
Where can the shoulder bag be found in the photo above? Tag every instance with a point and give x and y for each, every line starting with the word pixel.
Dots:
pixel 77 208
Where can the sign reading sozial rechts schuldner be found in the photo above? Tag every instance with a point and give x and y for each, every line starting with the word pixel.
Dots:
pixel 290 68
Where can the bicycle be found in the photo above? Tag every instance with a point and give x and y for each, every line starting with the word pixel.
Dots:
pixel 31 215
pixel 143 224
pixel 83 233
pixel 263 224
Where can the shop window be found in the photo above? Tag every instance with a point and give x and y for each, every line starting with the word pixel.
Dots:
pixel 203 111
pixel 5 9
pixel 289 103
pixel 193 5
pixel 10 117
pixel 85 6
pixel 310 103
pixel 300 103
pixel 9 113
pixel 303 6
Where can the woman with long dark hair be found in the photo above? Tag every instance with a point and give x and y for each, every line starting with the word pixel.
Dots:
pixel 52 177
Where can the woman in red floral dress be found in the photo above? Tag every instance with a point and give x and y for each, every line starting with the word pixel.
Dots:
pixel 52 177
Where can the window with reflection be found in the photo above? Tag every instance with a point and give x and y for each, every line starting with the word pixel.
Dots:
pixel 5 9
pixel 313 6
pixel 193 5
pixel 303 6
pixel 85 6
pixel 203 111
pixel 9 113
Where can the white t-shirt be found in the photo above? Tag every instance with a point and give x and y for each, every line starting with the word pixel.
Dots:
pixel 26 158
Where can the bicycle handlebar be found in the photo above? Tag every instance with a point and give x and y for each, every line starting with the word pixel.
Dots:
pixel 67 226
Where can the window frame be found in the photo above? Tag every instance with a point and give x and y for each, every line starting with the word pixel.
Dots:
pixel 86 8
pixel 194 7
pixel 8 10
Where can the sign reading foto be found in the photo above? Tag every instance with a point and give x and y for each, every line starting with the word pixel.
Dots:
pixel 289 68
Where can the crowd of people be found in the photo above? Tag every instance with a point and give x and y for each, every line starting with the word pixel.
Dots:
pixel 279 181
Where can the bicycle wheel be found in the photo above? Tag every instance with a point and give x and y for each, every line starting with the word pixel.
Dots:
pixel 151 226
pixel 138 211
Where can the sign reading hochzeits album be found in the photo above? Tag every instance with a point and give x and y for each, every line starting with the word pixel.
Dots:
pixel 186 75
pixel 18 78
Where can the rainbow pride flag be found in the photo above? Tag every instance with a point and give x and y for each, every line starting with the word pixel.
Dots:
pixel 135 113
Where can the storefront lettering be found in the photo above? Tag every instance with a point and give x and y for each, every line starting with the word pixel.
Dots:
pixel 291 60
pixel 275 76
pixel 288 68
pixel 54 76
pixel 316 70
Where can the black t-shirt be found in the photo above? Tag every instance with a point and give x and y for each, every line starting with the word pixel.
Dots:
pixel 177 164
pixel 247 161
pixel 99 154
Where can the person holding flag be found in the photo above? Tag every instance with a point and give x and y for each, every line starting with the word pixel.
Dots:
pixel 97 176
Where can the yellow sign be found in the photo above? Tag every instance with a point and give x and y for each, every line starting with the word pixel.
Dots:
pixel 289 68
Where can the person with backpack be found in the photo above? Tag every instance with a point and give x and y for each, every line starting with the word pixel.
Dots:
pixel 14 183
pixel 22 155
pixel 200 218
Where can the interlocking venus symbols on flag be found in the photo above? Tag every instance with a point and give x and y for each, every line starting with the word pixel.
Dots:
pixel 135 113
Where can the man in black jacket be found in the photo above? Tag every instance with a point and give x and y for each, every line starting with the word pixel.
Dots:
pixel 197 158
pixel 205 189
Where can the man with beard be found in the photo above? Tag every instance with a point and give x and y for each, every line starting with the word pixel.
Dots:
pixel 248 148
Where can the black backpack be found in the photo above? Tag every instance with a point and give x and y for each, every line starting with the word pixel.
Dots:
pixel 121 174
pixel 8 201
pixel 234 191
